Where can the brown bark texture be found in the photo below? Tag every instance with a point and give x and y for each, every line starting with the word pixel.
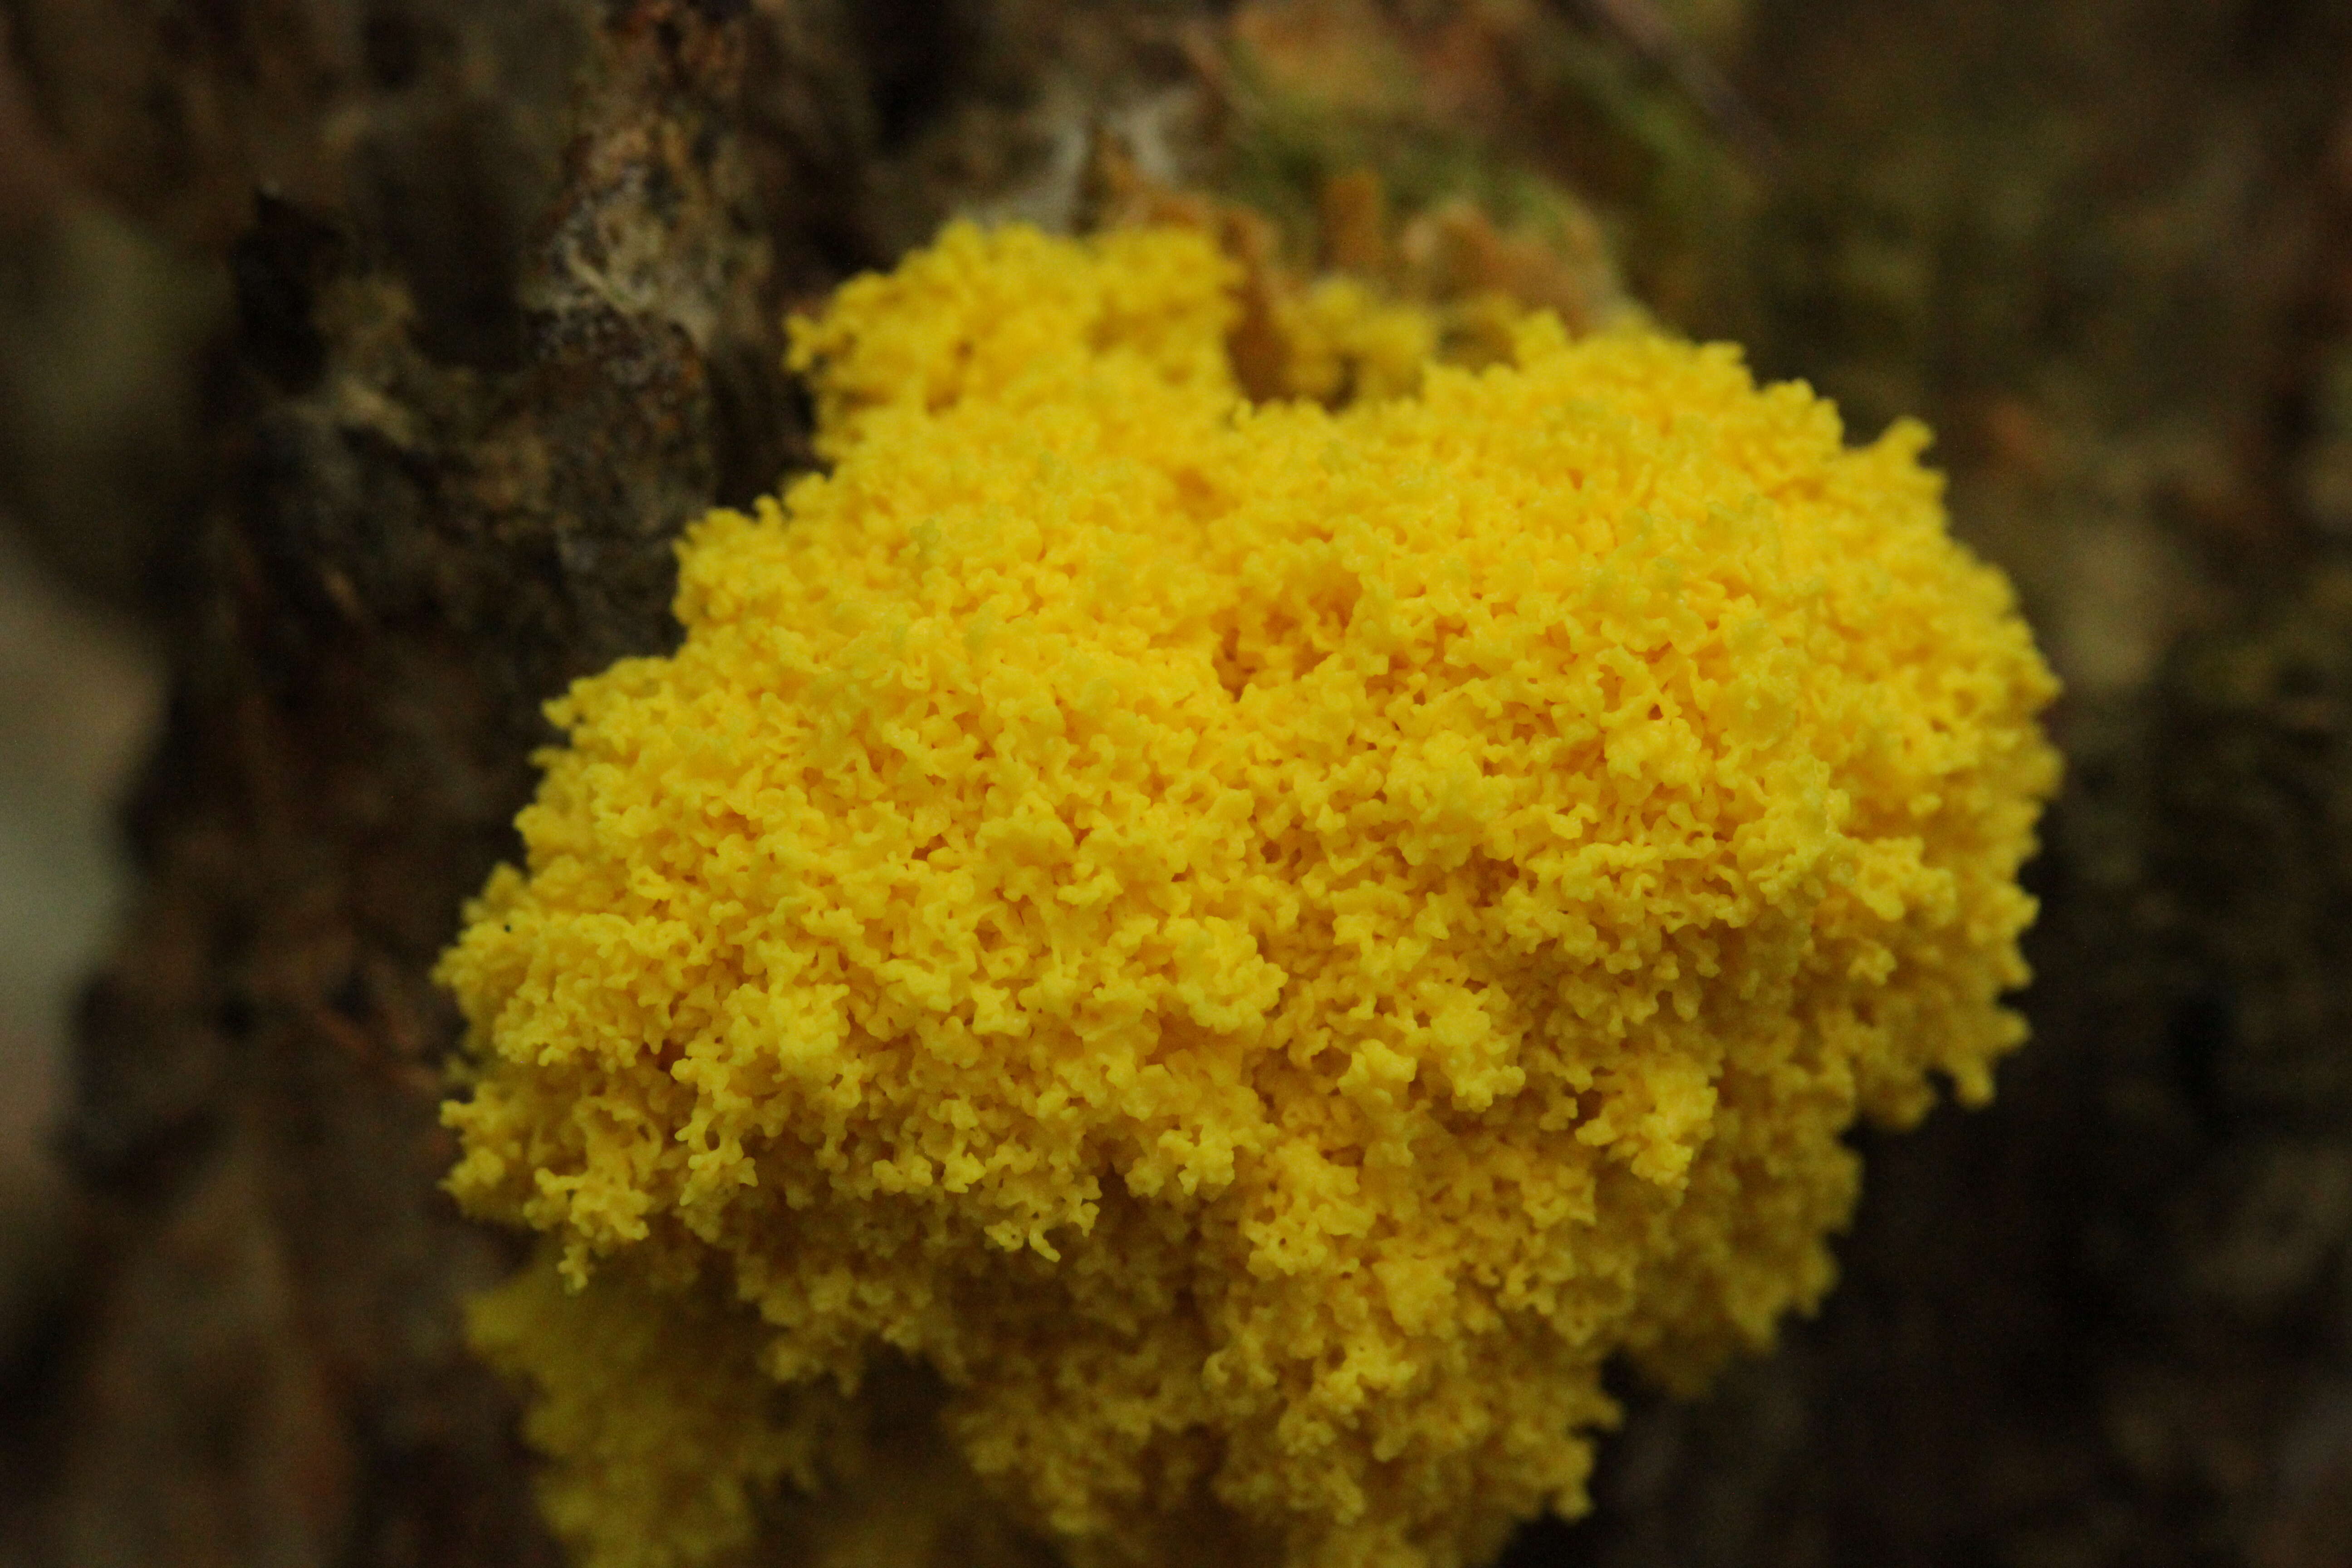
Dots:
pixel 376 351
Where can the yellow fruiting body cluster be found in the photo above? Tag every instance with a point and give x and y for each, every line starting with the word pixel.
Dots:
pixel 1163 980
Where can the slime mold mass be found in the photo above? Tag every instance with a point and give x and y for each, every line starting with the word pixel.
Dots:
pixel 1164 978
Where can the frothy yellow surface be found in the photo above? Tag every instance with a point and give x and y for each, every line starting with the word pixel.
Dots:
pixel 1247 949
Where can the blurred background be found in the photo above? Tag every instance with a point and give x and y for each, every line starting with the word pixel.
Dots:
pixel 79 688
pixel 99 330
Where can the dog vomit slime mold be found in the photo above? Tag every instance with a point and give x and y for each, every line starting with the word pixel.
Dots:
pixel 1164 978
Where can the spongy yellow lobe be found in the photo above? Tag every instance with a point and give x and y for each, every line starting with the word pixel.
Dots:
pixel 1253 947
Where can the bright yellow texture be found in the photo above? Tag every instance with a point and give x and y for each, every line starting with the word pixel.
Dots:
pixel 1258 945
